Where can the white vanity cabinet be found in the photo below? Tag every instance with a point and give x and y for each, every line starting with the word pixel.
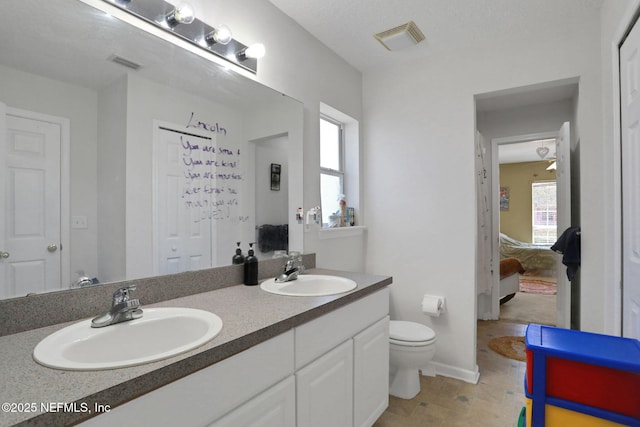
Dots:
pixel 342 365
pixel 348 386
pixel 331 371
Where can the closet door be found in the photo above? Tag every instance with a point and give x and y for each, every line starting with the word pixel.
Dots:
pixel 184 203
pixel 630 149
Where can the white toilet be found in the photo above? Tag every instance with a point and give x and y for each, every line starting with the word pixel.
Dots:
pixel 412 346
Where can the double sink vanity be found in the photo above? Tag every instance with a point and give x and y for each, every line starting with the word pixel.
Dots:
pixel 287 354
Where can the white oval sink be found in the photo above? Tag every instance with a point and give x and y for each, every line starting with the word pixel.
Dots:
pixel 160 333
pixel 310 285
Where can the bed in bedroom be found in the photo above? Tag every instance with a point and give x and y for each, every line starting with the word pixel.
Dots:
pixel 532 257
pixel 510 271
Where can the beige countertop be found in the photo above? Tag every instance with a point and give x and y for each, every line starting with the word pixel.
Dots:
pixel 249 314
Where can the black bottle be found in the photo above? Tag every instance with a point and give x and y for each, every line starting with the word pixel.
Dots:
pixel 238 258
pixel 251 268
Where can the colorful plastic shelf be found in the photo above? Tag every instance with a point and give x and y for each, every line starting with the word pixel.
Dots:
pixel 574 373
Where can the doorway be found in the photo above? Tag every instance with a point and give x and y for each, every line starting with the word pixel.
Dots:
pixel 516 115
pixel 525 216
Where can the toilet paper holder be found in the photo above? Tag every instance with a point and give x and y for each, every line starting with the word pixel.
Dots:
pixel 433 305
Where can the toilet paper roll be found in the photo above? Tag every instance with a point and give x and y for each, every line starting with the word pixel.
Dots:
pixel 432 305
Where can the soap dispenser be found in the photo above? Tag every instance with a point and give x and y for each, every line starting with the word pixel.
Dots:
pixel 251 268
pixel 238 258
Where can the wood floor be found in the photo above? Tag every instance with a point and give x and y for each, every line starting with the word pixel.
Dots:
pixel 496 400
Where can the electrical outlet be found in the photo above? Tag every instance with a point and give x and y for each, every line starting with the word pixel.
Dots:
pixel 79 222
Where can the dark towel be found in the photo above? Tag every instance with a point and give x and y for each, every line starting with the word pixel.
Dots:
pixel 568 244
pixel 273 237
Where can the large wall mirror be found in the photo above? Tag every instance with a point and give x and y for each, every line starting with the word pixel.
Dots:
pixel 127 155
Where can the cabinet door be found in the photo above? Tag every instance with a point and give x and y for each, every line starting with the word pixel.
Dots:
pixel 325 389
pixel 276 407
pixel 371 373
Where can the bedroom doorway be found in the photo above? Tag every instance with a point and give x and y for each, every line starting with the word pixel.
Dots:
pixel 531 205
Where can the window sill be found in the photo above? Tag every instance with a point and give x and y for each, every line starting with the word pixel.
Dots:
pixel 339 232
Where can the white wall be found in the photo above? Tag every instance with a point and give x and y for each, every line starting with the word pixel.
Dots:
pixel 112 181
pixel 546 117
pixel 419 173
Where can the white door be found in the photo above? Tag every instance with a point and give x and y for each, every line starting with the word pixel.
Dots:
pixel 184 199
pixel 488 298
pixel 30 235
pixel 630 150
pixel 563 206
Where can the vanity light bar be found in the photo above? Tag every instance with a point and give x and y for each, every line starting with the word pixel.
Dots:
pixel 197 32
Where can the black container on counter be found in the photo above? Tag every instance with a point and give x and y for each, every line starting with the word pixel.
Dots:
pixel 251 268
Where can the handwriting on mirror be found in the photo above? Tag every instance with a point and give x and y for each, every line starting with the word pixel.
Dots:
pixel 211 179
pixel 211 127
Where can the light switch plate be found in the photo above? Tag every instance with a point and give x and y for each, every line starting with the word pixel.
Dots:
pixel 79 222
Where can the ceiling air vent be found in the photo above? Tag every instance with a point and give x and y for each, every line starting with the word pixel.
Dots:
pixel 120 60
pixel 400 37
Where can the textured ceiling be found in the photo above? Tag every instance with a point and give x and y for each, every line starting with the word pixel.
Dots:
pixel 347 26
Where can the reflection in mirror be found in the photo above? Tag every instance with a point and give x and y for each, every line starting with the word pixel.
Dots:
pixel 127 156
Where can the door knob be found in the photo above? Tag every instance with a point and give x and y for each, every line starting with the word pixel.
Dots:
pixel 52 247
pixel 4 254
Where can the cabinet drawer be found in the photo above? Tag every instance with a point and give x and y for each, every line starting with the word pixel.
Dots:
pixel 275 407
pixel 326 332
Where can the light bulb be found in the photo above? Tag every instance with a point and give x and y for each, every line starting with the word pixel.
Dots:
pixel 184 13
pixel 221 34
pixel 256 51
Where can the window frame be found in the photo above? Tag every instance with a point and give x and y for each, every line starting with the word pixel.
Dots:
pixel 533 212
pixel 339 173
pixel 340 125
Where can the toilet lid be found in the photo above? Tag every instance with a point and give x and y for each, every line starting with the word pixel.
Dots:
pixel 401 330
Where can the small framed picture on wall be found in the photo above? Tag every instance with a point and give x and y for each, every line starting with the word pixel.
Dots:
pixel 275 176
pixel 504 198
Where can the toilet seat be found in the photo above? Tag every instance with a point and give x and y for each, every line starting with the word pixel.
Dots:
pixel 410 334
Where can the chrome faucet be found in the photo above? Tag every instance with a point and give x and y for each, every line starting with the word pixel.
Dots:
pixel 291 269
pixel 122 309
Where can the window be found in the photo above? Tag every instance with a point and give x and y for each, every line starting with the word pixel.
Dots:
pixel 331 167
pixel 544 213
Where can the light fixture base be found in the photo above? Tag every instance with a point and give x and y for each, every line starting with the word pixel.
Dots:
pixel 195 32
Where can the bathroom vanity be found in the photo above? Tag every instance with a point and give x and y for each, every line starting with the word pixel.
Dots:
pixel 283 360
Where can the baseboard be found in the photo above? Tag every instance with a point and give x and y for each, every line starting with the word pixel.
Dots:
pixel 485 316
pixel 453 372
